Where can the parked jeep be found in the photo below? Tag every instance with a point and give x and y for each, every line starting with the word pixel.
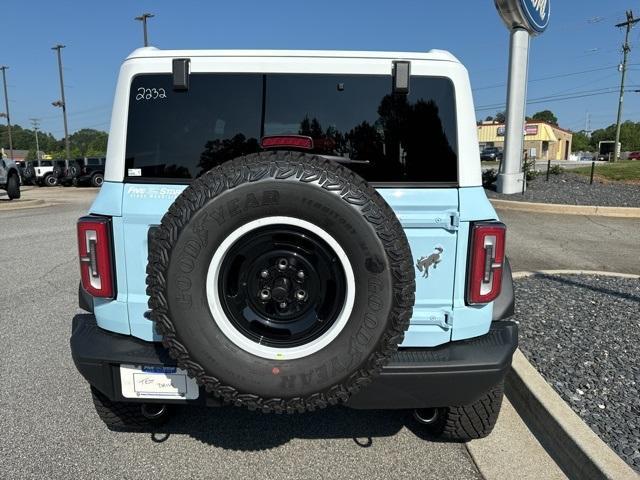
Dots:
pixel 10 178
pixel 44 174
pixel 86 171
pixel 289 230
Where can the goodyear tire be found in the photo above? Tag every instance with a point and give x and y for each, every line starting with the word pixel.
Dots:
pixel 281 282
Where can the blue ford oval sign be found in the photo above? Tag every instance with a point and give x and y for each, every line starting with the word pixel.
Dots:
pixel 532 15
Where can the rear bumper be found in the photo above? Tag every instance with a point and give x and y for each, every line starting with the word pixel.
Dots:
pixel 456 373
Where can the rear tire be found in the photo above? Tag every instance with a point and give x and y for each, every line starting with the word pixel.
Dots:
pixel 124 416
pixel 50 180
pixel 97 180
pixel 13 187
pixel 469 422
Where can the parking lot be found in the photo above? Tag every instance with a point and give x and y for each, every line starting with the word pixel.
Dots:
pixel 50 430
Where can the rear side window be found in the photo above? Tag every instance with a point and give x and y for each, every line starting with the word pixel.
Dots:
pixel 179 135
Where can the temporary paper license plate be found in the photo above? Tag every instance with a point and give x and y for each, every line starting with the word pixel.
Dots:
pixel 149 381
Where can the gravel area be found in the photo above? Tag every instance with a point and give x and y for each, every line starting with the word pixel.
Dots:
pixel 582 333
pixel 574 189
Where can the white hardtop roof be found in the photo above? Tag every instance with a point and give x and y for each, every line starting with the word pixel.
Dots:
pixel 153 52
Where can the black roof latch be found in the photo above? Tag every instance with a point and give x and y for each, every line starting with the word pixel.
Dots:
pixel 181 73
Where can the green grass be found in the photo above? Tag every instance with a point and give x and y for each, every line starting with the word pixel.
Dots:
pixel 622 170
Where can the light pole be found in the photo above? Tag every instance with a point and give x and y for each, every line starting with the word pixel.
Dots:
pixel 143 18
pixel 35 122
pixel 63 104
pixel 523 18
pixel 6 103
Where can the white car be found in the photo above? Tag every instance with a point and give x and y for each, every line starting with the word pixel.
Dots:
pixel 10 178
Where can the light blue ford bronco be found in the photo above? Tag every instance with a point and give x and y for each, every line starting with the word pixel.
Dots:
pixel 289 230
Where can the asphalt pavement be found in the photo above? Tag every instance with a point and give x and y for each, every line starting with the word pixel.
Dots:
pixel 48 428
pixel 537 241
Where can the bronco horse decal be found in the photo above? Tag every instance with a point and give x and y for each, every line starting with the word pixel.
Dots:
pixel 434 259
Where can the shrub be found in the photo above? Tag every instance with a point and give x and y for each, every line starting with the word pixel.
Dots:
pixel 556 170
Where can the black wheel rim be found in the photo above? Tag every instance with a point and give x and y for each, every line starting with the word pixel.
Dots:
pixel 281 286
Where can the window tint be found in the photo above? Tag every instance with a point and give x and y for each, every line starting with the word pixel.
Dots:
pixel 94 161
pixel 396 138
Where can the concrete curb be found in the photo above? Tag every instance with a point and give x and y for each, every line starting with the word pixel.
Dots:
pixel 524 274
pixel 500 455
pixel 592 210
pixel 570 442
pixel 23 204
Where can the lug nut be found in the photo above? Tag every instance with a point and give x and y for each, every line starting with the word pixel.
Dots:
pixel 282 263
pixel 265 294
pixel 264 273
pixel 301 274
pixel 301 295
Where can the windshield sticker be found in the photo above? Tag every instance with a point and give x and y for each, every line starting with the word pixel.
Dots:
pixel 154 192
pixel 150 93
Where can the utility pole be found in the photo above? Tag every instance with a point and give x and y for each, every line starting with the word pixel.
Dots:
pixel 143 18
pixel 35 122
pixel 63 104
pixel 626 49
pixel 6 114
pixel 587 125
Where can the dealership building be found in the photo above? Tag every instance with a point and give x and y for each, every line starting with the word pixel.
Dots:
pixel 541 140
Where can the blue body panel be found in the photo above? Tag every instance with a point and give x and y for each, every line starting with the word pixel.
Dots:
pixel 436 221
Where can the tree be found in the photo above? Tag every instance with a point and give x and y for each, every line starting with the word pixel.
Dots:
pixel 501 117
pixel 581 142
pixel 629 136
pixel 89 142
pixel 546 116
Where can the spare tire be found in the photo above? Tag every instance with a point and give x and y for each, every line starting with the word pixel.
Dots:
pixel 280 281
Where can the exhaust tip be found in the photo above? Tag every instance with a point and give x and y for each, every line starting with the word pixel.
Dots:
pixel 426 416
pixel 153 411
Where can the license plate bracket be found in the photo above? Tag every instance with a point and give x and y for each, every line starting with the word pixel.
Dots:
pixel 157 382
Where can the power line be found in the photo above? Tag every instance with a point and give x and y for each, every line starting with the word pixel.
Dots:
pixel 557 98
pixel 551 77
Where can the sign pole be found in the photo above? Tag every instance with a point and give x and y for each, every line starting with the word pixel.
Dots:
pixel 523 18
pixel 511 177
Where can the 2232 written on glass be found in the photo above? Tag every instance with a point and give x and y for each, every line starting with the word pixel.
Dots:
pixel 150 93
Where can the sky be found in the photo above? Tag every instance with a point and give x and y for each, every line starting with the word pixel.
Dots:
pixel 580 51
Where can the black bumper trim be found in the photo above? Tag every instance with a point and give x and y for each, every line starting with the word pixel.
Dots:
pixel 456 373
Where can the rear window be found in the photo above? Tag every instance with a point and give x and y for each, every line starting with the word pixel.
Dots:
pixel 179 135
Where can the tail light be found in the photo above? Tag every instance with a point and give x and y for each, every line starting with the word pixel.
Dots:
pixel 484 279
pixel 94 249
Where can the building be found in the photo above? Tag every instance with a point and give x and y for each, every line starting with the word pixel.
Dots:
pixel 18 155
pixel 541 140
